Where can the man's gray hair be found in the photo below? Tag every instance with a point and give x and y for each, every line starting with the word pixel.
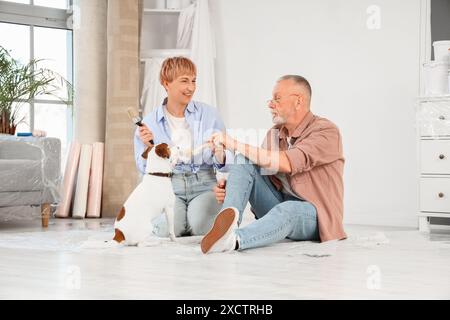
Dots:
pixel 298 80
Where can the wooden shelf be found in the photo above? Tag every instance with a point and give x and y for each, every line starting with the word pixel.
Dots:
pixel 434 215
pixel 162 11
pixel 445 97
pixel 161 53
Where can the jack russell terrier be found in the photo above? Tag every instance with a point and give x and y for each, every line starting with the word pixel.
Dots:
pixel 151 197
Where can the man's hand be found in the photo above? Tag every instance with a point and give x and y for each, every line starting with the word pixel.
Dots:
pixel 219 191
pixel 146 135
pixel 221 138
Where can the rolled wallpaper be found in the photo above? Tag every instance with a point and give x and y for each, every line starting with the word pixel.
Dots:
pixel 81 193
pixel 94 203
pixel 69 180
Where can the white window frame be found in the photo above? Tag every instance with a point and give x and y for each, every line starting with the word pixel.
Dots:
pixel 37 16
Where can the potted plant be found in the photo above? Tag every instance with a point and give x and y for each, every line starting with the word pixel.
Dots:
pixel 21 83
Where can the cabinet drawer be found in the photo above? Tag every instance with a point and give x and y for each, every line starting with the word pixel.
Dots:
pixel 435 156
pixel 434 119
pixel 435 195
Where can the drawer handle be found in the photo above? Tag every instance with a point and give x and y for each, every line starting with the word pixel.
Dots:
pixel 441 195
pixel 442 157
pixel 441 118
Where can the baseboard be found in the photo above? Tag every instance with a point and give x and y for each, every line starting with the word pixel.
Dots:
pixel 387 219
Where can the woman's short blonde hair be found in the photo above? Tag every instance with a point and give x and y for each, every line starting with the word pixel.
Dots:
pixel 175 67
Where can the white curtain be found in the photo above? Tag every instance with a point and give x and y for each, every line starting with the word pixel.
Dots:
pixel 185 27
pixel 153 93
pixel 203 52
pixel 195 39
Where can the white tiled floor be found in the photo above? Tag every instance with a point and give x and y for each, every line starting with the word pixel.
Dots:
pixel 374 263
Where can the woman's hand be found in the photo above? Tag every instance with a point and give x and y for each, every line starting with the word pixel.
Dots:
pixel 219 152
pixel 219 191
pixel 146 135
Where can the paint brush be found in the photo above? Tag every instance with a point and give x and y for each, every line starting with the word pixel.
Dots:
pixel 137 120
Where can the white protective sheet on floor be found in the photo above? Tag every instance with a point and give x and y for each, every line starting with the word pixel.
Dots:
pixel 90 236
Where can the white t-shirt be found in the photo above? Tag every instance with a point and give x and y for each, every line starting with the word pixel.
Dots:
pixel 180 132
pixel 284 180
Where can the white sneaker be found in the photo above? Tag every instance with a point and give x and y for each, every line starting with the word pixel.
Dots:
pixel 221 237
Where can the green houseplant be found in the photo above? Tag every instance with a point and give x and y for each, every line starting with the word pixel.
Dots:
pixel 21 83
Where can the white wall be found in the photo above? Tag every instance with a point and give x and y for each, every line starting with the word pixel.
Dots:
pixel 365 81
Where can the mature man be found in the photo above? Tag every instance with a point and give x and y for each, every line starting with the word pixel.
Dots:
pixel 304 199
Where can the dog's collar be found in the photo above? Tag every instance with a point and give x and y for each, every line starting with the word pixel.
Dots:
pixel 159 174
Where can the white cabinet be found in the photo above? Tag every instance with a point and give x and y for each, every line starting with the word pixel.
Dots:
pixel 435 156
pixel 433 121
pixel 435 195
pixel 434 117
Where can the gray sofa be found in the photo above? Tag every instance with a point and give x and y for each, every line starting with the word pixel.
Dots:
pixel 30 173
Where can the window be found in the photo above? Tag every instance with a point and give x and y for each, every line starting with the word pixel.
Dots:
pixel 19 1
pixel 59 4
pixel 31 32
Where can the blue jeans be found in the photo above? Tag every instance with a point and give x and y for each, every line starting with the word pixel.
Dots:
pixel 195 205
pixel 279 216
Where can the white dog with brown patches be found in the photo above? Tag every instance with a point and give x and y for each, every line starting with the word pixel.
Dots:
pixel 151 197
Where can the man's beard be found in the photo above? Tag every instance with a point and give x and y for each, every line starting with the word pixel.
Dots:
pixel 278 120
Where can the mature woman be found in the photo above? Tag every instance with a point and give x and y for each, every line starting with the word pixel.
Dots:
pixel 187 124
